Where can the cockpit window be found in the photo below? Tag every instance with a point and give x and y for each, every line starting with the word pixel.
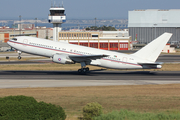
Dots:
pixel 15 39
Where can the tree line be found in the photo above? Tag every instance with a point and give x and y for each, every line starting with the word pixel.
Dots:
pixel 103 28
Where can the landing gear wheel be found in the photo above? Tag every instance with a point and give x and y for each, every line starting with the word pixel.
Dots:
pixel 80 71
pixel 83 70
pixel 87 69
pixel 19 57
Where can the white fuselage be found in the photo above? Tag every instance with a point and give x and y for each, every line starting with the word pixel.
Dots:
pixel 48 48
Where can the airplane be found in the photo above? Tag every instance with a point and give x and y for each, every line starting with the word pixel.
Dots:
pixel 65 53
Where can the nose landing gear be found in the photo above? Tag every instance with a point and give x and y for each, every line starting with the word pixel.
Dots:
pixel 19 54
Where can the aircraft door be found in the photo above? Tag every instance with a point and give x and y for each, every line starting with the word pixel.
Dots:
pixel 124 60
pixel 25 41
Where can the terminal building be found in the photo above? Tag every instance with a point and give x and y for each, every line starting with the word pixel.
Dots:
pixel 40 32
pixel 107 40
pixel 146 25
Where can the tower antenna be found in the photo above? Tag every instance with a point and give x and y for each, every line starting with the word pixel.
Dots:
pixel 51 3
pixel 59 4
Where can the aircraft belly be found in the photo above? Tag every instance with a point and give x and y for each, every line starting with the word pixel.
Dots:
pixel 34 50
pixel 119 65
pixel 21 48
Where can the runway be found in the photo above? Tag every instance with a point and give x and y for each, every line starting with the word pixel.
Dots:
pixel 23 79
pixel 14 54
pixel 166 58
pixel 23 62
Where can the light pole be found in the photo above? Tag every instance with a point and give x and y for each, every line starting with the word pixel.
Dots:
pixel 20 25
pixel 36 26
pixel 78 26
pixel 13 29
pixel 95 21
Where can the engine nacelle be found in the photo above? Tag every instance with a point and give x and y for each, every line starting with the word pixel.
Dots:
pixel 62 59
pixel 151 66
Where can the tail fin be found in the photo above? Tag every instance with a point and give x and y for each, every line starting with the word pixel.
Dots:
pixel 152 50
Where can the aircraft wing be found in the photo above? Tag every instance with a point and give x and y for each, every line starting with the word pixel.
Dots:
pixel 84 58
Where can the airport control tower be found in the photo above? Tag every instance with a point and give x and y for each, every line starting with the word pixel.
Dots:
pixel 57 17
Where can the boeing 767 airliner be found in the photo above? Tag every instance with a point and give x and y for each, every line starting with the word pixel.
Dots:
pixel 65 53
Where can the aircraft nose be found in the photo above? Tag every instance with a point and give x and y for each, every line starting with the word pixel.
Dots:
pixel 8 42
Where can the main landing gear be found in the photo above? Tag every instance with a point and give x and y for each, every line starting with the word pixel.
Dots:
pixel 83 69
pixel 19 54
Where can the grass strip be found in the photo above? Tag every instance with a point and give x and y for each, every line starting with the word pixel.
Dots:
pixel 137 98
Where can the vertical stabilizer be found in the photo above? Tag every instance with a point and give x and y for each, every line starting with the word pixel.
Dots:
pixel 152 50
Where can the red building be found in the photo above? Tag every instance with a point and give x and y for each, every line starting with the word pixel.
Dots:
pixel 107 40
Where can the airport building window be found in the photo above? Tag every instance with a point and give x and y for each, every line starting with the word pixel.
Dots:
pixel 84 44
pixel 57 12
pixel 94 35
pixel 113 46
pixel 89 35
pixel 104 46
pixel 69 35
pixel 94 45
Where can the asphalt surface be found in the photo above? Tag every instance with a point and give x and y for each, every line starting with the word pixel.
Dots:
pixel 14 54
pixel 166 58
pixel 22 79
pixel 22 62
pixel 27 62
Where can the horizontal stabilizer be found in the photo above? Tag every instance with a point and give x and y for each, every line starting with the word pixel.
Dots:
pixel 156 63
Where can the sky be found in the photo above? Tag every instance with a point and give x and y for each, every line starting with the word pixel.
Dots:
pixel 80 9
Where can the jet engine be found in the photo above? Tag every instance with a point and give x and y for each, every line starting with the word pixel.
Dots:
pixel 62 59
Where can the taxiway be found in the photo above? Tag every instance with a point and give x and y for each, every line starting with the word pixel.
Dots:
pixel 23 79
